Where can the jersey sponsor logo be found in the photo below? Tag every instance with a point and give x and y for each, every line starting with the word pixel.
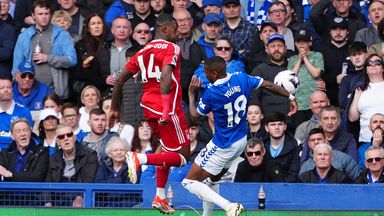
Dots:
pixel 232 91
pixel 5 133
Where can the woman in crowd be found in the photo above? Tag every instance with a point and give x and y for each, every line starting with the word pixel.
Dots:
pixel 254 118
pixel 92 51
pixel 90 97
pixel 367 100
pixel 125 131
pixel 47 128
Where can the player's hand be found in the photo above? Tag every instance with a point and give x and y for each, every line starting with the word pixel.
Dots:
pixel 194 84
pixel 113 117
pixel 164 120
pixel 293 108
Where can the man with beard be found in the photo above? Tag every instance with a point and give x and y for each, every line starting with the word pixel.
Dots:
pixel 335 52
pixel 99 136
pixel 282 150
pixel 270 101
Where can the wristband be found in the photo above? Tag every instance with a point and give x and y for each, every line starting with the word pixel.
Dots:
pixel 291 97
pixel 166 104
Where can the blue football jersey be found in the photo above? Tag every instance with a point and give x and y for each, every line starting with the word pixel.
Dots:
pixel 227 98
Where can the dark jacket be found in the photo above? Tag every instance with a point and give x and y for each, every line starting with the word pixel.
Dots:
pixel 348 84
pixel 344 142
pixel 363 177
pixel 247 173
pixel 270 101
pixel 7 43
pixel 200 51
pixel 106 174
pixel 36 164
pixel 85 166
pixel 285 167
pixel 334 176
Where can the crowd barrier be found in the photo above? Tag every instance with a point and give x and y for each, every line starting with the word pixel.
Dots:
pixel 279 196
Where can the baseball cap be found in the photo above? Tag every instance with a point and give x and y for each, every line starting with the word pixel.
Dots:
pixel 212 18
pixel 265 24
pixel 339 22
pixel 276 37
pixel 303 35
pixel 231 2
pixel 218 3
pixel 47 112
pixel 26 67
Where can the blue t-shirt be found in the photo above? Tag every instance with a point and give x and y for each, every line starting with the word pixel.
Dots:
pixel 7 117
pixel 227 98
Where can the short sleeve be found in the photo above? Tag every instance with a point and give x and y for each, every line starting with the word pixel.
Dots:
pixel 133 64
pixel 171 55
pixel 204 106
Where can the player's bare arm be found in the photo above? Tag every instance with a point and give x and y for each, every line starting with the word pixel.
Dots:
pixel 165 89
pixel 193 86
pixel 116 96
pixel 281 91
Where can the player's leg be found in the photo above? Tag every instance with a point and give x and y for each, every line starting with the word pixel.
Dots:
pixel 213 183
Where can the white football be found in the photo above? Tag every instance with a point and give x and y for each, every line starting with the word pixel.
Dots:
pixel 288 80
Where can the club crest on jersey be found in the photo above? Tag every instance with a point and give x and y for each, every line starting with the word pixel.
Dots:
pixel 201 104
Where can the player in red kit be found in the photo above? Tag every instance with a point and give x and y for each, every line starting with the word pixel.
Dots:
pixel 159 65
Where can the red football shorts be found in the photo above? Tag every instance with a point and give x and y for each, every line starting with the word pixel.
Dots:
pixel 173 135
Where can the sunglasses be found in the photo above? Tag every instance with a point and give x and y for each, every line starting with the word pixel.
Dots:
pixel 250 154
pixel 142 31
pixel 376 159
pixel 62 136
pixel 376 62
pixel 223 48
pixel 25 75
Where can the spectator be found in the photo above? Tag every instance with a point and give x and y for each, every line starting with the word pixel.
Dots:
pixel 50 47
pixel 253 168
pixel 114 169
pixel 225 49
pixel 99 135
pixel 28 91
pixel 125 131
pixel 277 14
pixel 271 102
pixel 5 17
pixel 47 129
pixel 9 111
pixel 7 41
pixel 62 19
pixel 71 118
pixel 255 124
pixel 23 160
pixel 72 162
pixel 186 35
pixel 242 33
pixel 365 102
pixel 51 101
pixel 376 125
pixel 341 161
pixel 339 139
pixel 374 166
pixel 324 172
pixel 202 49
pixel 369 35
pixel 194 8
pixel 354 77
pixel 282 149
pixel 308 66
pixel 211 6
pixel 335 52
pixel 93 54
pixel 322 18
pixel 292 21
pixel 159 7
pixel 378 48
pixel 77 17
pixel 94 6
pixel 258 54
pixel 119 8
pixel 142 34
pixel 317 101
pixel 143 14
pixel 90 97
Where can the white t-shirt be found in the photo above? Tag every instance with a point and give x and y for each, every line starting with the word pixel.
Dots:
pixel 84 117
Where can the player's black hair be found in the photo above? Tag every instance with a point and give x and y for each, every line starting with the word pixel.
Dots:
pixel 275 117
pixel 164 19
pixel 216 63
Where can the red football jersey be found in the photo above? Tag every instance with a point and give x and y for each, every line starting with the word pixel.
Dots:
pixel 150 61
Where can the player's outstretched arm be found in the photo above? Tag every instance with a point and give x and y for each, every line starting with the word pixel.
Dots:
pixel 116 96
pixel 281 91
pixel 193 86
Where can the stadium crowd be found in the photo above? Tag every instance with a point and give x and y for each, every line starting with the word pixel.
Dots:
pixel 59 61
